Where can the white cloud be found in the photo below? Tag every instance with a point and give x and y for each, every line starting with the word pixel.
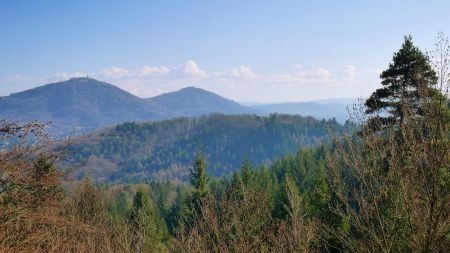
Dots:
pixel 115 72
pixel 238 83
pixel 348 72
pixel 315 73
pixel 302 76
pixel 239 72
pixel 191 69
pixel 147 71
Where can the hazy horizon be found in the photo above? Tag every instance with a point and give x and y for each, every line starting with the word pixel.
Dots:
pixel 246 103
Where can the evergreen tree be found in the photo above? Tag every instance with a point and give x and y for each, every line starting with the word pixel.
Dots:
pixel 147 227
pixel 242 180
pixel 292 199
pixel 246 173
pixel 121 206
pixel 199 179
pixel 409 78
pixel 288 192
pixel 179 212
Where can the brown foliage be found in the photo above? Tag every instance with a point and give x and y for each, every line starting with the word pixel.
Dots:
pixel 393 186
pixel 34 216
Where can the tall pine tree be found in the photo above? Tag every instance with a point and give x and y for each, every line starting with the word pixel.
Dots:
pixel 199 180
pixel 408 79
pixel 147 227
pixel 246 173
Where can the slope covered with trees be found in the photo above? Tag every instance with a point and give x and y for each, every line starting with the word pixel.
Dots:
pixel 164 150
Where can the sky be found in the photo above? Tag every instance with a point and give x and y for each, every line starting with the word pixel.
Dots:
pixel 249 51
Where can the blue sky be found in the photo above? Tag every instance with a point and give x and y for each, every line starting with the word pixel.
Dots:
pixel 261 51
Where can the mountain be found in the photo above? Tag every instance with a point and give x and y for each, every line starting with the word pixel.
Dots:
pixel 193 101
pixel 79 104
pixel 166 149
pixel 324 109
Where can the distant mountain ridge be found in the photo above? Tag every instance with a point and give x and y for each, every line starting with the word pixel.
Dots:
pixel 321 109
pixel 85 104
pixel 192 101
pixel 80 104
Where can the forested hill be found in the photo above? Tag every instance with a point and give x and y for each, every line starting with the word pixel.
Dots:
pixel 165 150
